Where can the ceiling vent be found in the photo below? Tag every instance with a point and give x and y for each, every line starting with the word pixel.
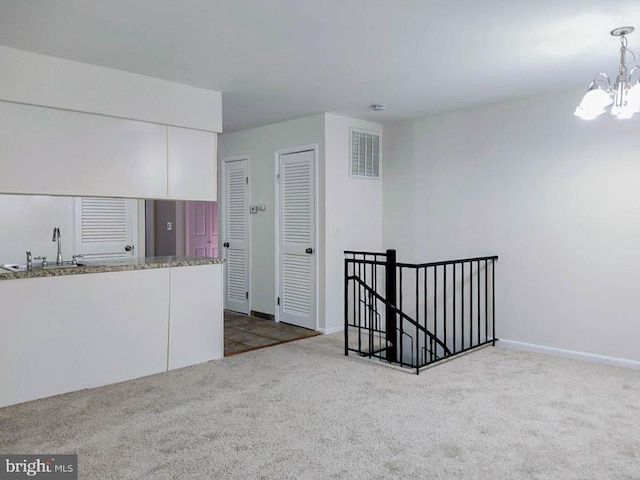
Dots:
pixel 365 154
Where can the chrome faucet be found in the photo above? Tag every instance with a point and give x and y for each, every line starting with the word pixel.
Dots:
pixel 56 238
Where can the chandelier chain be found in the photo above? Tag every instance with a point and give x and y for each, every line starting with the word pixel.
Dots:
pixel 623 55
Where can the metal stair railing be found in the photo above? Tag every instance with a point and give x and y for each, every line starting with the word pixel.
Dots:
pixel 441 308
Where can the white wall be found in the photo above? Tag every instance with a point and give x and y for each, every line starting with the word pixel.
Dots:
pixel 399 190
pixel 260 144
pixel 353 206
pixel 26 223
pixel 554 196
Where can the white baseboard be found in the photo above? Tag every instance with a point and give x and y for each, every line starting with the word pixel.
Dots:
pixel 589 357
pixel 329 331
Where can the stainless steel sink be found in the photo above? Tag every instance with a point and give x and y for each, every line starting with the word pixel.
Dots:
pixel 14 267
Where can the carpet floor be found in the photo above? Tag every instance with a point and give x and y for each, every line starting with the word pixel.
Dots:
pixel 302 410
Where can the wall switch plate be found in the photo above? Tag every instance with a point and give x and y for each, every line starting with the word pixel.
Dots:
pixel 253 209
pixel 169 226
pixel 262 207
pixel 337 231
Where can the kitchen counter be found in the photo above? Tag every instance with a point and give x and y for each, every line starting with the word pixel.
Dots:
pixel 103 266
pixel 83 331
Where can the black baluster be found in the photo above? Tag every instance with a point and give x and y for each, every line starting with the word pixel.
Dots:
pixel 493 300
pixel 462 307
pixel 401 352
pixel 435 306
pixel 444 301
pixel 426 317
pixel 478 303
pixel 346 306
pixel 454 309
pixel 486 302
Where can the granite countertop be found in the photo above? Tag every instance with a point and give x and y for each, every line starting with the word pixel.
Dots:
pixel 102 266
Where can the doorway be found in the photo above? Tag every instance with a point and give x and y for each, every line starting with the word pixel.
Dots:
pixel 179 228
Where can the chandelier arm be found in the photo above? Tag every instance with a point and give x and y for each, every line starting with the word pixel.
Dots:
pixel 606 77
pixel 633 54
pixel 635 69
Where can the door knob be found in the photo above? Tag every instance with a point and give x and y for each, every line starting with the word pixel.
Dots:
pixel 225 244
pixel 309 250
pixel 128 248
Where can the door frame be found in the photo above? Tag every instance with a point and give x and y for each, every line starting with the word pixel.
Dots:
pixel 283 151
pixel 222 231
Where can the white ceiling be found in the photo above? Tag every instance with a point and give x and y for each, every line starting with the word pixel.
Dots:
pixel 275 60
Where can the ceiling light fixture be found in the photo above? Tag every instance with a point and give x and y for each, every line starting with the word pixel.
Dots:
pixel 623 97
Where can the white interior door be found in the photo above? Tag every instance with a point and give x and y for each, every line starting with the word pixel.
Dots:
pixel 236 235
pixel 106 228
pixel 297 266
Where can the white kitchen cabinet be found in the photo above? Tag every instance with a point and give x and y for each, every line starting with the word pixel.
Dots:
pixel 59 152
pixel 196 330
pixel 66 333
pixel 35 79
pixel 192 164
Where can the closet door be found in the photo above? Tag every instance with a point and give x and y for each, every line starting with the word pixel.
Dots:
pixel 297 264
pixel 236 235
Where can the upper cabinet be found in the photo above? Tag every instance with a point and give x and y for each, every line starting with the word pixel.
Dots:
pixel 57 152
pixel 93 131
pixel 192 164
pixel 37 79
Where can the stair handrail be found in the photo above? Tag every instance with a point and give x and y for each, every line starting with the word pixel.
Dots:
pixel 401 313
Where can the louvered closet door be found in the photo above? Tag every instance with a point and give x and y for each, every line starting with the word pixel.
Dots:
pixel 236 235
pixel 297 239
pixel 105 228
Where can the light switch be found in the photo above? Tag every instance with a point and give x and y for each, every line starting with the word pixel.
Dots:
pixel 169 226
pixel 337 231
pixel 253 209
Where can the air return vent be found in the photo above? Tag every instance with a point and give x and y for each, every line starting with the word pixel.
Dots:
pixel 365 154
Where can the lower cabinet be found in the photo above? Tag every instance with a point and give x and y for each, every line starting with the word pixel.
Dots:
pixel 195 330
pixel 61 334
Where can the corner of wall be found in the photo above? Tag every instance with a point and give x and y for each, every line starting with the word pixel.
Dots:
pixel 398 188
pixel 353 211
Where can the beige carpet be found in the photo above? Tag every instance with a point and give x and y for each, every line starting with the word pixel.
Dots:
pixel 303 411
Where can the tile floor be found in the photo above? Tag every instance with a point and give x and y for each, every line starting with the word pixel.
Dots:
pixel 243 333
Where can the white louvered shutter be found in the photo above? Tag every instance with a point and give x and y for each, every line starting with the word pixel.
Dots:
pixel 105 227
pixel 365 154
pixel 236 235
pixel 297 235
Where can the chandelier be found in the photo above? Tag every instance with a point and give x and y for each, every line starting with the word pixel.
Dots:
pixel 623 97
